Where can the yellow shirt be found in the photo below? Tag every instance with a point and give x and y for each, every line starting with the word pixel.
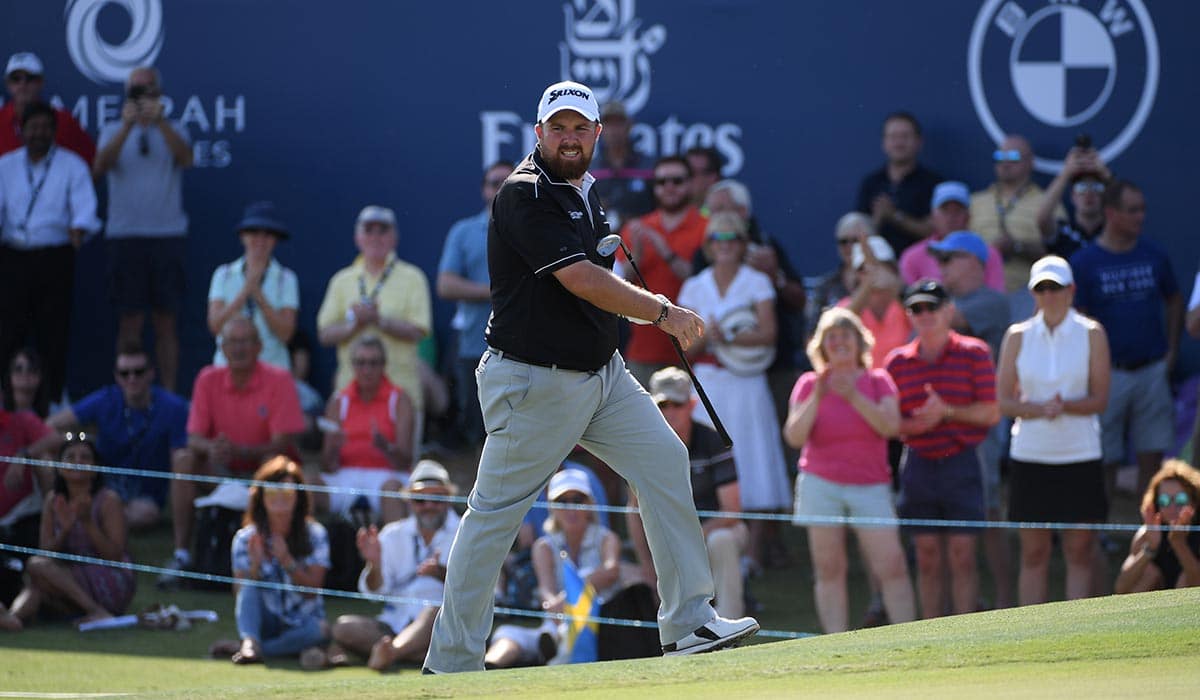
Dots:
pixel 404 294
pixel 1020 218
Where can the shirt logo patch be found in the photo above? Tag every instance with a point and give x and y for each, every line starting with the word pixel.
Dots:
pixel 576 215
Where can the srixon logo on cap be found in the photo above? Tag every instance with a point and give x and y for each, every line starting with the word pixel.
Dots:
pixel 555 94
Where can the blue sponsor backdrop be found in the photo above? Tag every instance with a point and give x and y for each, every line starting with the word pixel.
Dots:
pixel 324 107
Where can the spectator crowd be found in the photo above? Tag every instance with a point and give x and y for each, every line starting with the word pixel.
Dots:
pixel 977 354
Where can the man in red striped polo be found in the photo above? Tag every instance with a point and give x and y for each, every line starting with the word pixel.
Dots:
pixel 947 386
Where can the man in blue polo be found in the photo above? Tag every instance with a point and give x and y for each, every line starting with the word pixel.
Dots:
pixel 463 277
pixel 138 425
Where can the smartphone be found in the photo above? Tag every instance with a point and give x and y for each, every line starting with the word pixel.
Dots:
pixel 1083 141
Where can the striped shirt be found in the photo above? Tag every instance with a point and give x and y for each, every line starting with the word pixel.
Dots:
pixel 962 375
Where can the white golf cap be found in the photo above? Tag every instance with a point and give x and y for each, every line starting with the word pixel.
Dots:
pixel 373 213
pixel 25 61
pixel 569 480
pixel 568 95
pixel 1051 269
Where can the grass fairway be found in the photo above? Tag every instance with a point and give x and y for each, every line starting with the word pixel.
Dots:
pixel 1118 646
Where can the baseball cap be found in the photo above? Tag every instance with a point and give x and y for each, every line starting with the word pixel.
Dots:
pixel 429 474
pixel 1051 269
pixel 925 291
pixel 962 242
pixel 950 191
pixel 883 252
pixel 373 213
pixel 25 61
pixel 670 384
pixel 569 480
pixel 568 95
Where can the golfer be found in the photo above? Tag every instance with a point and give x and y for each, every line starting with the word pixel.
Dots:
pixel 552 378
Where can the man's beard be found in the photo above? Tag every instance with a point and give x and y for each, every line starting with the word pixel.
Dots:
pixel 431 522
pixel 563 169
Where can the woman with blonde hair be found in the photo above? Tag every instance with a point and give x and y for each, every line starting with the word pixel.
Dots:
pixel 1170 499
pixel 1052 378
pixel 842 414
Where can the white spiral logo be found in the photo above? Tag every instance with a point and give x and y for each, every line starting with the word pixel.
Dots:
pixel 104 62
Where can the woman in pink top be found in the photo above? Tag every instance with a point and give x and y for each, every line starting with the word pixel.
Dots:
pixel 841 416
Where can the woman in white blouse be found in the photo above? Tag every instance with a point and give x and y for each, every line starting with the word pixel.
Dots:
pixel 1053 378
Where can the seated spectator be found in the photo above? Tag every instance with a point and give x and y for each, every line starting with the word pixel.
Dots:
pixel 1170 500
pixel 595 552
pixel 876 297
pixel 23 386
pixel 1085 173
pixel 950 213
pixel 1053 378
pixel 372 447
pixel 241 414
pixel 740 394
pixel 838 283
pixel 257 286
pixel 22 434
pixel 81 517
pixel 279 545
pixel 714 488
pixel 138 425
pixel 842 414
pixel 406 559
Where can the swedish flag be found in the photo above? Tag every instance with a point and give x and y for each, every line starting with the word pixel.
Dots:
pixel 580 604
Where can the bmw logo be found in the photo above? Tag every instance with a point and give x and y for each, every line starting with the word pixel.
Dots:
pixel 1051 72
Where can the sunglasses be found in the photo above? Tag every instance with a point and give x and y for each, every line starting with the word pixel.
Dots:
pixel 1043 287
pixel 23 78
pixel 575 500
pixel 375 362
pixel 1165 500
pixel 724 236
pixel 1085 187
pixel 847 241
pixel 674 180
pixel 923 307
pixel 1011 155
pixel 131 372
pixel 670 404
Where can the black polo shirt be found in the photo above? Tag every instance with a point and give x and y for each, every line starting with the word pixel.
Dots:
pixel 911 195
pixel 540 225
pixel 712 466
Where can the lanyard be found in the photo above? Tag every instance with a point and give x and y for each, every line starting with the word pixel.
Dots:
pixel 35 190
pixel 1003 210
pixel 250 305
pixel 362 283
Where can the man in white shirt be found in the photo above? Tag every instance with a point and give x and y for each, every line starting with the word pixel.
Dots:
pixel 47 208
pixel 407 559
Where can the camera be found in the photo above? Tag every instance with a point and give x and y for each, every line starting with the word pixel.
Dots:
pixel 1083 141
pixel 137 92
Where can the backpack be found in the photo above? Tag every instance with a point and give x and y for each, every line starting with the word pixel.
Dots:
pixel 212 552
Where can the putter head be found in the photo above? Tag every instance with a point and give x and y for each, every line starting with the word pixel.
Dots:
pixel 608 245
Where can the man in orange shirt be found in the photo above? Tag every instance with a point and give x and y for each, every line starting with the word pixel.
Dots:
pixel 663 243
pixel 241 414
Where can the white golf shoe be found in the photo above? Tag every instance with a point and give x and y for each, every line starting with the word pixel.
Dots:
pixel 720 633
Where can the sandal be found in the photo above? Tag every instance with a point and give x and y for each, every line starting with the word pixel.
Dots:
pixel 382 654
pixel 224 648
pixel 247 653
pixel 336 655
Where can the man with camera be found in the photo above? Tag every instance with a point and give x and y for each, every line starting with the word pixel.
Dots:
pixel 1085 173
pixel 144 156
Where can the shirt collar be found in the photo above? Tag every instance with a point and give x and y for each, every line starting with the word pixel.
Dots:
pixel 252 384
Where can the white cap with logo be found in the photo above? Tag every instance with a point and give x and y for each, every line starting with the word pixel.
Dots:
pixel 568 95
pixel 1051 269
